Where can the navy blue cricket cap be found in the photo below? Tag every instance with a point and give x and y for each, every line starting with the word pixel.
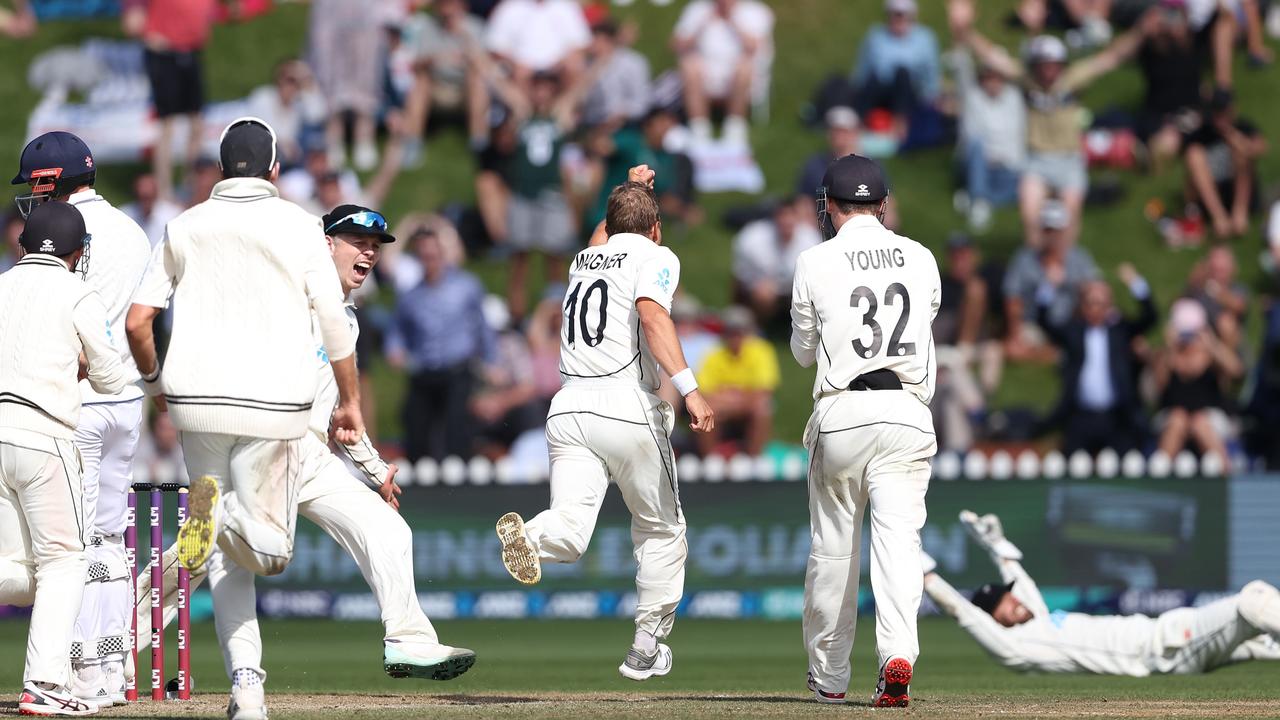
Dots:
pixel 988 596
pixel 854 178
pixel 247 148
pixel 54 155
pixel 53 228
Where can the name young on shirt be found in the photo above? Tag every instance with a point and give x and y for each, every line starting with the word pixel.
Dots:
pixel 599 262
pixel 880 258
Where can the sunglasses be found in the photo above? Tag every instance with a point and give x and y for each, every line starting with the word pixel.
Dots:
pixel 364 218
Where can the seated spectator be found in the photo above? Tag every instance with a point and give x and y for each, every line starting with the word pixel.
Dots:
pixel 1100 407
pixel 898 66
pixel 958 398
pixel 621 92
pixel 493 180
pixel 10 231
pixel 764 260
pixel 1086 20
pixel 1061 268
pixel 345 42
pixel 1271 239
pixel 1055 135
pixel 20 22
pixel 697 342
pixel 291 105
pixel 844 137
pixel 1190 375
pixel 1214 25
pixel 739 379
pixel 721 46
pixel 538 36
pixel 1215 284
pixel 205 173
pixel 443 77
pixel 1222 166
pixel 316 184
pixel 993 139
pixel 159 451
pixel 543 336
pixel 629 147
pixel 505 404
pixel 438 336
pixel 149 210
pixel 1171 69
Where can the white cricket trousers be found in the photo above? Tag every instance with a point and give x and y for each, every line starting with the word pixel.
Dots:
pixel 1197 640
pixel 868 450
pixel 42 539
pixel 600 432
pixel 107 438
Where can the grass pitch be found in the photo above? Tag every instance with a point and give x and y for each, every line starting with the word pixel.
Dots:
pixel 742 669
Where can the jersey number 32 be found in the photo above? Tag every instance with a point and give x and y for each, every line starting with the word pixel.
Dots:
pixel 897 348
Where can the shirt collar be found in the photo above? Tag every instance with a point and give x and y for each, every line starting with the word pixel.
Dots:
pixel 42 259
pixel 84 196
pixel 858 222
pixel 242 189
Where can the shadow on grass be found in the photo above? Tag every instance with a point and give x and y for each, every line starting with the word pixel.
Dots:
pixel 519 699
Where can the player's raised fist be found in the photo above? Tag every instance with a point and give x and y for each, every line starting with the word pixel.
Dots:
pixel 642 174
pixel 704 418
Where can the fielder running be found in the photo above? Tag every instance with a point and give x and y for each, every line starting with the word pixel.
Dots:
pixel 59 166
pixel 364 523
pixel 246 271
pixel 1011 621
pixel 51 320
pixel 862 307
pixel 607 423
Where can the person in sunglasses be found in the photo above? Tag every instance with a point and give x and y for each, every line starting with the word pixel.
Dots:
pixel 247 271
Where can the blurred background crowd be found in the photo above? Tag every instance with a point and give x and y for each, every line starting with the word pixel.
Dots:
pixel 1093 175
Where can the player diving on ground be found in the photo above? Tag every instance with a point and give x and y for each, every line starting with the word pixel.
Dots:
pixel 1011 621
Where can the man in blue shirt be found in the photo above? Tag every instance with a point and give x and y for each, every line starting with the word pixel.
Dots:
pixel 898 66
pixel 438 336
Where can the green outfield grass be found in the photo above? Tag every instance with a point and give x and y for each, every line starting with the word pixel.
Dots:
pixel 567 669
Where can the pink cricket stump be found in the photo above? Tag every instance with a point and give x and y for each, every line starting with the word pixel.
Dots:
pixel 184 612
pixel 131 559
pixel 157 594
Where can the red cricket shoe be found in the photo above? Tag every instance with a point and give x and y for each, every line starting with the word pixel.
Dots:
pixel 821 695
pixel 893 689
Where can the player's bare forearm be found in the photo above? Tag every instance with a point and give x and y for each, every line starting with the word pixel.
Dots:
pixel 348 422
pixel 142 340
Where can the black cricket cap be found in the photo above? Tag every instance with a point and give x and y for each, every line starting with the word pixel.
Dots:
pixel 988 596
pixel 247 148
pixel 55 150
pixel 353 219
pixel 854 178
pixel 53 228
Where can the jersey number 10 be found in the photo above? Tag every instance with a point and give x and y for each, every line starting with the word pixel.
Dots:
pixel 572 314
pixel 896 347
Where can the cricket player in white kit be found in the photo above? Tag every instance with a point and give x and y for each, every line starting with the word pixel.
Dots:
pixel 246 271
pixel 107 434
pixel 364 523
pixel 606 423
pixel 1011 621
pixel 51 320
pixel 862 308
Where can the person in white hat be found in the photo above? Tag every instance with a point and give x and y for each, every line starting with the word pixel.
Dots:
pixel 898 67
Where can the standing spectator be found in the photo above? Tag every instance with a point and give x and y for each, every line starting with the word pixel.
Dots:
pixel 993 139
pixel 1171 68
pixel 1060 268
pixel 149 209
pixel 898 66
pixel 1222 171
pixel 844 137
pixel 1100 407
pixel 292 106
pixel 539 36
pixel 621 92
pixel 345 44
pixel 173 34
pixel 958 398
pixel 443 77
pixel 1189 376
pixel 723 47
pixel 738 379
pixel 764 260
pixel 438 335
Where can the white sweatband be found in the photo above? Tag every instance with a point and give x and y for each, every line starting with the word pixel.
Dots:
pixel 684 382
pixel 151 384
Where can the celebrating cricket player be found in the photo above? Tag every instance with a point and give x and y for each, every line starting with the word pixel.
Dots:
pixel 360 516
pixel 59 167
pixel 246 271
pixel 51 320
pixel 1011 621
pixel 862 307
pixel 607 423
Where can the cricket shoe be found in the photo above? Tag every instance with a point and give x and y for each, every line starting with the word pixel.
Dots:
pixel 987 532
pixel 114 679
pixel 518 555
pixel 198 535
pixel 821 695
pixel 640 666
pixel 428 662
pixel 893 689
pixel 248 702
pixel 88 683
pixel 56 702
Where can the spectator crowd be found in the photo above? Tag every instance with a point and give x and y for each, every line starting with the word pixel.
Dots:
pixel 555 105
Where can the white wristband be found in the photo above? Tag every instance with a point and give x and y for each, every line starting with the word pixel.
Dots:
pixel 684 381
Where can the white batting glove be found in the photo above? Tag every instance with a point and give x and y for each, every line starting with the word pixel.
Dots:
pixel 987 532
pixel 927 563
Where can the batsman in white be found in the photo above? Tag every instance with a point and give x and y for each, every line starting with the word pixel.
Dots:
pixel 607 423
pixel 246 270
pixel 1011 621
pixel 364 523
pixel 862 308
pixel 52 324
pixel 59 166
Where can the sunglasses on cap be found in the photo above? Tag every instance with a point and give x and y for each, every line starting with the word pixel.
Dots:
pixel 364 218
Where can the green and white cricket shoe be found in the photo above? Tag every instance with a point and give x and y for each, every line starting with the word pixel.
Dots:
pixel 427 662
pixel 640 666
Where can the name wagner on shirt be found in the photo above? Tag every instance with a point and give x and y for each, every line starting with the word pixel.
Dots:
pixel 601 261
